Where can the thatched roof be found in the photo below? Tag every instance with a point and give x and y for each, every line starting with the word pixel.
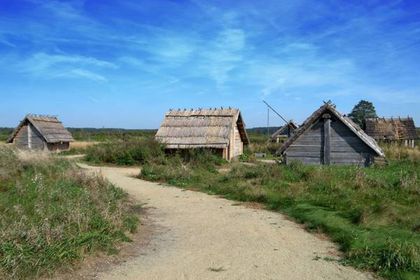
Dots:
pixel 209 128
pixel 50 128
pixel 391 129
pixel 330 108
pixel 285 130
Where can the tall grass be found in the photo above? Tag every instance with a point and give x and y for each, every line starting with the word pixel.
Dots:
pixel 52 214
pixel 372 213
pixel 125 152
pixel 399 152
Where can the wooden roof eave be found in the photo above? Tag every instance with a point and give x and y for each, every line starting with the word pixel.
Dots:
pixel 242 128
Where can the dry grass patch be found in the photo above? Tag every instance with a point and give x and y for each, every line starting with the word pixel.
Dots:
pixel 53 214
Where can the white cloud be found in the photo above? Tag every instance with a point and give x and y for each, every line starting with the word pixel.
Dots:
pixel 223 55
pixel 42 65
pixel 86 74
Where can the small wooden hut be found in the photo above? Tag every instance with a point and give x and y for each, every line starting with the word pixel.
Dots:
pixel 327 137
pixel 284 132
pixel 38 132
pixel 220 130
pixel 392 130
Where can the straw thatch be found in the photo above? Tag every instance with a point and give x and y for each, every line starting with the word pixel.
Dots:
pixel 201 128
pixel 391 128
pixel 49 127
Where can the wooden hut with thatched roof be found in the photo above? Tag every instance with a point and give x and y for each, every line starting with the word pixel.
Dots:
pixel 284 132
pixel 220 130
pixel 38 132
pixel 393 130
pixel 327 137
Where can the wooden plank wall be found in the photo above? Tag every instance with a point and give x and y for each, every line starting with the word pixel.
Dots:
pixel 21 138
pixel 37 142
pixel 238 144
pixel 58 146
pixel 308 147
pixel 345 146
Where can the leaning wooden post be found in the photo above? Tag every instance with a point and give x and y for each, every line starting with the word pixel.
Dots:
pixel 327 138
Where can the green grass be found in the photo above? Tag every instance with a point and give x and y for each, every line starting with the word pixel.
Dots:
pixel 110 134
pixel 5 133
pixel 134 152
pixel 373 213
pixel 52 215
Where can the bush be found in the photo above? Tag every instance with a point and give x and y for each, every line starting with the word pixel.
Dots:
pixel 52 214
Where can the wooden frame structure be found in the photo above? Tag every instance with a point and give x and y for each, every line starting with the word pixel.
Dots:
pixel 221 130
pixel 40 132
pixel 392 130
pixel 284 132
pixel 327 137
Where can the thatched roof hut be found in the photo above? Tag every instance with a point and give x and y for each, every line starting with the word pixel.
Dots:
pixel 221 130
pixel 327 137
pixel 400 130
pixel 284 132
pixel 39 132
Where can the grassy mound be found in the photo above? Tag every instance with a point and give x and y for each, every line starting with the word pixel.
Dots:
pixel 52 214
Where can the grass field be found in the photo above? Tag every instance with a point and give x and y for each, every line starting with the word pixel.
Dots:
pixel 52 215
pixel 373 213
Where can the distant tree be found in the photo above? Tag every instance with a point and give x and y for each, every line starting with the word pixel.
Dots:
pixel 364 109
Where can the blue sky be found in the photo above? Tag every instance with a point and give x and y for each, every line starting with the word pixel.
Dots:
pixel 125 63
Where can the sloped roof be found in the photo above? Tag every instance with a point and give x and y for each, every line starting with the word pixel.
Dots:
pixel 50 128
pixel 391 128
pixel 200 128
pixel 283 130
pixel 330 108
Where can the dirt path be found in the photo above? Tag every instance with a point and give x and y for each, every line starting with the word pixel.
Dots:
pixel 205 237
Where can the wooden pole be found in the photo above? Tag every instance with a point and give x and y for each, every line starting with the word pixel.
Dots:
pixel 268 122
pixel 327 138
pixel 29 136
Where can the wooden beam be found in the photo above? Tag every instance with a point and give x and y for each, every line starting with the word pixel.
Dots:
pixel 29 136
pixel 327 138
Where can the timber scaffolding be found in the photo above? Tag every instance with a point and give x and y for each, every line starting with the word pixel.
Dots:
pixel 397 130
pixel 222 130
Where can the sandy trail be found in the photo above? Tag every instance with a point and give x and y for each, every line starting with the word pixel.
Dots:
pixel 206 237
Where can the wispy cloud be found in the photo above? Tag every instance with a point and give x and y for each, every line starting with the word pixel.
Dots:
pixel 214 51
pixel 42 65
pixel 223 55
